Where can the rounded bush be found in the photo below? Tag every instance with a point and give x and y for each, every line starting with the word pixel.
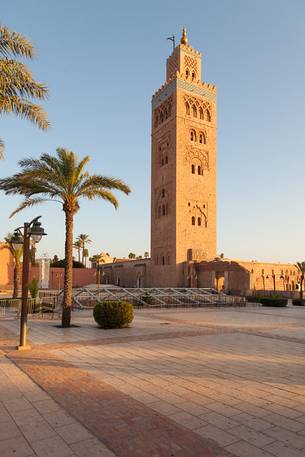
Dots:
pixel 113 314
pixel 298 302
pixel 271 301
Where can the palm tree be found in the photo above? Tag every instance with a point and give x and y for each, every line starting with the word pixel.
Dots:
pixel 146 254
pixel 77 246
pixel 131 255
pixel 61 178
pixel 17 254
pixel 83 239
pixel 17 85
pixel 301 268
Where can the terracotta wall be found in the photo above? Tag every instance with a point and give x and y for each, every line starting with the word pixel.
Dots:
pixel 6 268
pixel 81 277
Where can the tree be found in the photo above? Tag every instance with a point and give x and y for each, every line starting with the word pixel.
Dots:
pixel 301 268
pixel 62 178
pixel 17 85
pixel 55 258
pixel 17 254
pixel 146 254
pixel 131 255
pixel 85 256
pixel 78 246
pixel 83 239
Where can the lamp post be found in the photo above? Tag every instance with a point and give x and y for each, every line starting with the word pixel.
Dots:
pixel 98 272
pixel 34 231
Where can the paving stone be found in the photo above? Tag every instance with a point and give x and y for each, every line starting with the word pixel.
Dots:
pixel 73 433
pixel 15 447
pixel 280 449
pixel 52 447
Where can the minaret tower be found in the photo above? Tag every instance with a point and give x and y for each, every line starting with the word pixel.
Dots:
pixel 183 182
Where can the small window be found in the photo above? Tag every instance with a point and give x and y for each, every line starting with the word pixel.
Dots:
pixel 163 260
pixel 166 159
pixel 187 108
pixel 194 111
pixel 163 210
pixel 193 135
pixel 193 220
pixel 199 170
pixel 208 115
pixel 193 169
pixel 199 220
pixel 169 110
pixel 193 75
pixel 168 260
pixel 161 117
pixel 187 74
pixel 201 113
pixel 163 193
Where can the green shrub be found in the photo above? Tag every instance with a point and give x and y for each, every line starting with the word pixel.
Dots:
pixel 298 302
pixel 147 298
pixel 113 314
pixel 253 299
pixel 272 301
pixel 33 288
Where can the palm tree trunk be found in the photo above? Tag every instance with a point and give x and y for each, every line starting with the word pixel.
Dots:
pixel 17 273
pixel 301 289
pixel 78 251
pixel 67 300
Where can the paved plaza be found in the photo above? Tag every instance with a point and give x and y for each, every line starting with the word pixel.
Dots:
pixel 177 383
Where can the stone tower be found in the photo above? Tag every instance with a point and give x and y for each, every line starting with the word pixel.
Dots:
pixel 183 182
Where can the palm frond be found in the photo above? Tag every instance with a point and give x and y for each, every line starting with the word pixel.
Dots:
pixel 104 194
pixel 14 43
pixel 17 81
pixel 24 109
pixel 29 202
pixel 102 182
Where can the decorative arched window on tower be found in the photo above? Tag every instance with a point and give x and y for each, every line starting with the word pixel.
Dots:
pixel 201 113
pixel 193 75
pixel 193 135
pixel 202 138
pixel 194 109
pixel 187 73
pixel 187 109
pixel 208 115
pixel 193 220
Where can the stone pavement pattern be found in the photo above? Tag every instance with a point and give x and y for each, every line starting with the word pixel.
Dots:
pixel 209 383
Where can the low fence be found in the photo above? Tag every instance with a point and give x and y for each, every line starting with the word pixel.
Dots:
pixel 46 304
pixel 86 298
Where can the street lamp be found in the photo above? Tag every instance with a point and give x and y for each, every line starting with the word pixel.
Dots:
pixel 35 231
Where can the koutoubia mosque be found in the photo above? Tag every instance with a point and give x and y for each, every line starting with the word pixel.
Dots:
pixel 183 194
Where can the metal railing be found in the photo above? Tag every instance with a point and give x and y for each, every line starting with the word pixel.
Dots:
pixel 86 298
pixel 48 304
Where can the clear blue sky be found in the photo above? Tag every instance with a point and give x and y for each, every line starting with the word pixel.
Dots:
pixel 103 60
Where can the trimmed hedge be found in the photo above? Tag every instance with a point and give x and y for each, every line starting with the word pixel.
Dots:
pixel 252 299
pixel 272 301
pixel 298 302
pixel 113 314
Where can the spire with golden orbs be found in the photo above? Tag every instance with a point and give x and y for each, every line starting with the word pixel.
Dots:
pixel 184 37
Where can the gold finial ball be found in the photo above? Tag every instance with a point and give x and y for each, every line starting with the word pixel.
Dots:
pixel 184 37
